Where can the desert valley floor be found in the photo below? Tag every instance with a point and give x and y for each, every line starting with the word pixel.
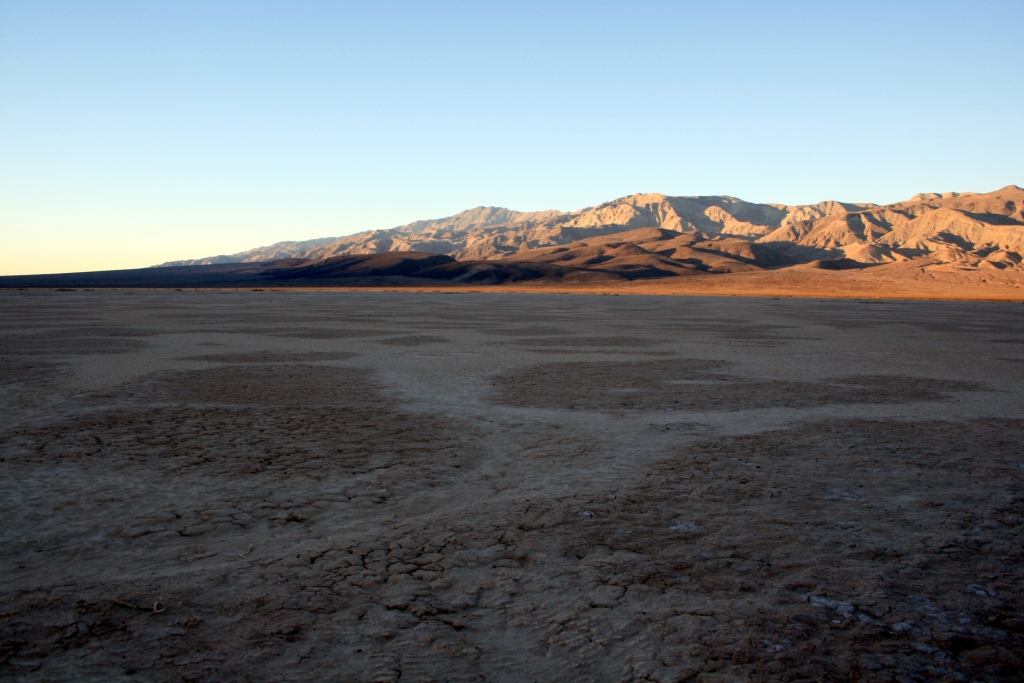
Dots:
pixel 371 486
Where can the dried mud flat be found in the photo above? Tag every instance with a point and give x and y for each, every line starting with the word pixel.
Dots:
pixel 369 486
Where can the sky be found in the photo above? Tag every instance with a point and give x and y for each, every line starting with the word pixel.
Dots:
pixel 133 133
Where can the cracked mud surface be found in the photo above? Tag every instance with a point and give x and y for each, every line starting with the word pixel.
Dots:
pixel 688 384
pixel 265 486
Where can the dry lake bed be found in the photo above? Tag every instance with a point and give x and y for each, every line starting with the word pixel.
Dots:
pixel 372 486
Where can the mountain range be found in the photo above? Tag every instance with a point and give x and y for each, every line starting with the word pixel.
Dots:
pixel 653 235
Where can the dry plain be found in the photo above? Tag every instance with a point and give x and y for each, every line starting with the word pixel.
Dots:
pixel 415 486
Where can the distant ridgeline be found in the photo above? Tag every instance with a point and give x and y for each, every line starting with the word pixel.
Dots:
pixel 641 236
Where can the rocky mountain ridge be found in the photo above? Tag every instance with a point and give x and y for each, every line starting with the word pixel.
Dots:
pixel 962 230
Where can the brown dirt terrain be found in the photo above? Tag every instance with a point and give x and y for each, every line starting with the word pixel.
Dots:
pixel 894 281
pixel 374 486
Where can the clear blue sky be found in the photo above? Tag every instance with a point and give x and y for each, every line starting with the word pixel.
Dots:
pixel 139 132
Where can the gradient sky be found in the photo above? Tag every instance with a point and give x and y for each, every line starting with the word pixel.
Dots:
pixel 141 132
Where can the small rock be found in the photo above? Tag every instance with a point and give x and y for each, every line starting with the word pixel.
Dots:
pixel 606 596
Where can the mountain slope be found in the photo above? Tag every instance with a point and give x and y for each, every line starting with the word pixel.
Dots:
pixel 967 230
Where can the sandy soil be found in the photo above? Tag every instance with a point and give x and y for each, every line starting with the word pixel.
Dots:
pixel 368 486
pixel 895 281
